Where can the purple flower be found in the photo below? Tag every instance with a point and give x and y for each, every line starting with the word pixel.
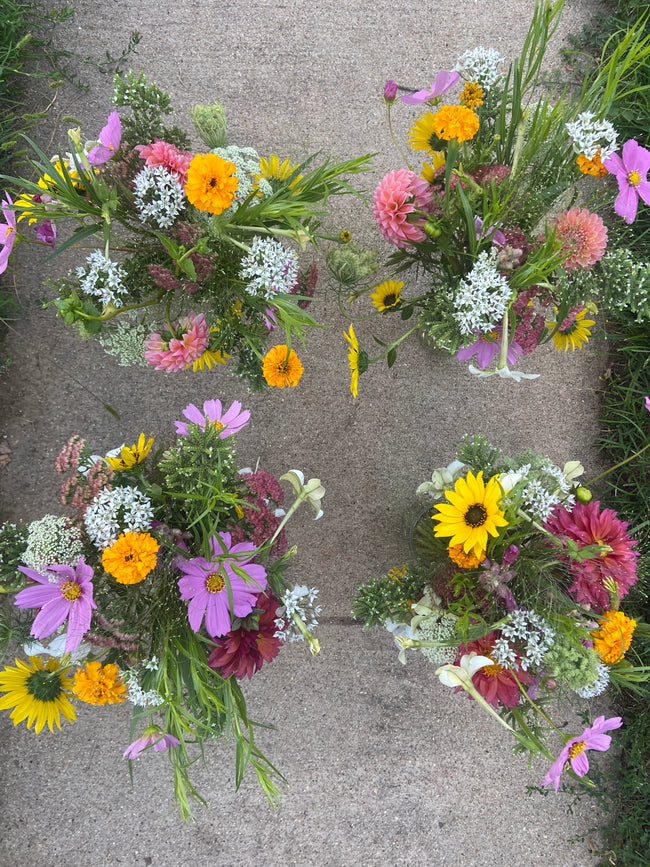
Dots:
pixel 109 141
pixel 574 749
pixel 205 583
pixel 496 575
pixel 229 422
pixel 7 232
pixel 152 737
pixel 270 321
pixel 495 235
pixel 631 173
pixel 486 347
pixel 47 233
pixel 63 593
pixel 390 92
pixel 647 403
pixel 443 82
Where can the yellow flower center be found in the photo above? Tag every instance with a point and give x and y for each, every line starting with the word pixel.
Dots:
pixel 490 337
pixel 634 179
pixel 8 232
pixel 492 670
pixel 215 583
pixel 476 515
pixel 577 748
pixel 71 590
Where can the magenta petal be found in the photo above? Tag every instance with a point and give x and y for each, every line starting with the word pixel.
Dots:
pixel 644 191
pixel 212 409
pixel 78 625
pixel 217 618
pixel 580 764
pixel 37 597
pixel 193 413
pixel 626 204
pixel 50 617
pixel 196 610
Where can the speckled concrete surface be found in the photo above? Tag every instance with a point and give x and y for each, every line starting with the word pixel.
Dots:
pixel 386 767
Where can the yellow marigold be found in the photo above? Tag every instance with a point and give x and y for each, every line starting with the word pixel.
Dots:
pixel 99 684
pixel 593 166
pixel 455 121
pixel 614 636
pixel 131 558
pixel 211 183
pixel 472 95
pixel 281 366
pixel 466 561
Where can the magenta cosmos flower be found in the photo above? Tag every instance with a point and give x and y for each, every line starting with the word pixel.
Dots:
pixel 444 80
pixel 631 172
pixel 178 352
pixel 154 738
pixel 62 593
pixel 574 750
pixel 486 347
pixel 398 197
pixel 205 584
pixel 587 525
pixel 7 232
pixel 229 422
pixel 109 141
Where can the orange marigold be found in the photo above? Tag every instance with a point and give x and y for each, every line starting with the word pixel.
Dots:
pixel 281 366
pixel 455 121
pixel 211 183
pixel 99 684
pixel 131 558
pixel 466 561
pixel 593 166
pixel 614 636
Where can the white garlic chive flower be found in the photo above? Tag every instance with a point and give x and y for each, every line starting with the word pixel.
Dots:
pixel 538 501
pixel 525 639
pixel 481 65
pixel 125 340
pixel 301 601
pixel 121 510
pixel 269 268
pixel 52 540
pixel 589 134
pixel 158 195
pixel 599 686
pixel 482 297
pixel 135 694
pixel 247 165
pixel 103 279
pixel 547 486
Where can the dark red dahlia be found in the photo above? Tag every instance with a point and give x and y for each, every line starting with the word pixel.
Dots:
pixel 243 651
pixel 495 683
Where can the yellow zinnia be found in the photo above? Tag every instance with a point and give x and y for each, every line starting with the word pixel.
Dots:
pixel 387 295
pixel 455 121
pixel 129 457
pixel 211 183
pixel 471 514
pixel 614 636
pixel 353 358
pixel 281 366
pixel 131 558
pixel 99 684
pixel 573 336
pixel 37 693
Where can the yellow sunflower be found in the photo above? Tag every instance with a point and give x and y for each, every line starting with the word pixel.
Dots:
pixel 428 171
pixel 50 184
pixel 129 457
pixel 353 358
pixel 209 359
pixel 211 183
pixel 99 684
pixel 36 693
pixel 281 366
pixel 614 636
pixel 276 172
pixel 131 558
pixel 575 335
pixel 422 136
pixel 387 294
pixel 471 514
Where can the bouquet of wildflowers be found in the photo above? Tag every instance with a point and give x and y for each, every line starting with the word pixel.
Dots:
pixel 496 231
pixel 517 596
pixel 163 587
pixel 188 258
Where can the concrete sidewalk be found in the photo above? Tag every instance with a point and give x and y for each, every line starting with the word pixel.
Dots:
pixel 386 766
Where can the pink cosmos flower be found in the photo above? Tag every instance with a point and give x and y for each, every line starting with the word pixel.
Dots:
pixel 631 172
pixel 62 593
pixel 486 348
pixel 160 153
pixel 647 403
pixel 397 197
pixel 494 682
pixel 109 141
pixel 153 738
pixel 583 236
pixel 587 525
pixel 574 750
pixel 205 584
pixel 390 92
pixel 492 232
pixel 444 80
pixel 177 353
pixel 7 232
pixel 229 422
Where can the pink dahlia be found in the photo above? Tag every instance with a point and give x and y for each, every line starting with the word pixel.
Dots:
pixel 178 352
pixel 587 525
pixel 398 198
pixel 243 651
pixel 583 236
pixel 160 153
pixel 494 682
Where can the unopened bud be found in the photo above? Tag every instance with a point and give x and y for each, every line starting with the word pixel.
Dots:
pixel 390 92
pixel 584 495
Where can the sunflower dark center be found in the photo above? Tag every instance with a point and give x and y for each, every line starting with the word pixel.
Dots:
pixel 476 515
pixel 390 299
pixel 44 685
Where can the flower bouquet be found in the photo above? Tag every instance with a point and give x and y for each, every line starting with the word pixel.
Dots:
pixel 516 596
pixel 498 223
pixel 190 258
pixel 165 588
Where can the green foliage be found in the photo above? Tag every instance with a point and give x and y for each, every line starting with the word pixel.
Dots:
pixel 389 596
pixel 148 104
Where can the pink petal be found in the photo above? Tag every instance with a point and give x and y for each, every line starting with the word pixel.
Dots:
pixel 217 619
pixel 580 764
pixel 50 617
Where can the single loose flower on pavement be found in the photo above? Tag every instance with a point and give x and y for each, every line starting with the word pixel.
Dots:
pixel 398 197
pixel 61 594
pixel 630 170
pixel 131 558
pixel 444 80
pixel 574 751
pixel 109 141
pixel 129 457
pixel 583 237
pixel 152 737
pixel 387 294
pixel 486 347
pixel 99 684
pixel 38 694
pixel 7 232
pixel 614 636
pixel 471 514
pixel 211 183
pixel 353 358
pixel 281 366
pixel 227 422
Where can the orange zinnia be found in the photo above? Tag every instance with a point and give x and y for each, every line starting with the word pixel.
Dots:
pixel 455 121
pixel 131 558
pixel 211 183
pixel 99 684
pixel 614 636
pixel 281 367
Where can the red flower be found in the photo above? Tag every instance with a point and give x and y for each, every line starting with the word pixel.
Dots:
pixel 587 525
pixel 495 683
pixel 243 651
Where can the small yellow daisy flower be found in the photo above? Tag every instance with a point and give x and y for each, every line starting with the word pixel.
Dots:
pixel 387 294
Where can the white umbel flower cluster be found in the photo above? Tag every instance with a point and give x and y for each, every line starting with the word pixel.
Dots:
pixel 104 279
pixel 269 268
pixel 52 541
pixel 482 297
pixel 158 195
pixel 301 601
pixel 525 639
pixel 121 510
pixel 247 164
pixel 481 65
pixel 599 686
pixel 589 134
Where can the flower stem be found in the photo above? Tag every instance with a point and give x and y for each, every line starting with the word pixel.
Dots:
pixel 392 135
pixel 616 466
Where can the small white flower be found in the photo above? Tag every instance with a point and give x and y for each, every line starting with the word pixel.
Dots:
pixel 589 134
pixel 313 491
pixel 461 675
pixel 481 65
pixel 269 268
pixel 158 196
pixel 103 278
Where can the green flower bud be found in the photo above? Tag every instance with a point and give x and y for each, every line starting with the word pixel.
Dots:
pixel 584 495
pixel 210 123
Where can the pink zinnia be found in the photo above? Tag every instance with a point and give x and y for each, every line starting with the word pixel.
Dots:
pixel 160 153
pixel 583 236
pixel 242 651
pixel 587 525
pixel 178 352
pixel 397 198
pixel 495 683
